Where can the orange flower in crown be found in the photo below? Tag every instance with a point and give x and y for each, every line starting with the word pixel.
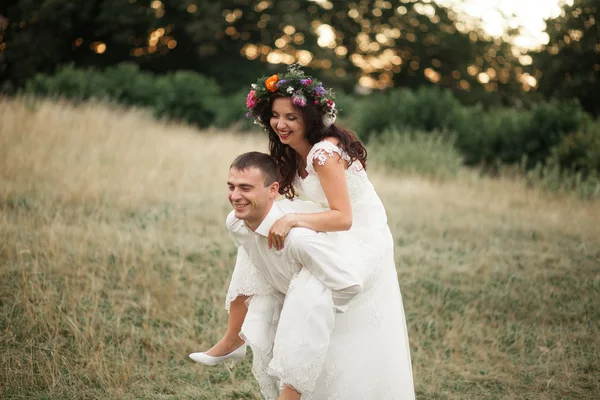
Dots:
pixel 271 83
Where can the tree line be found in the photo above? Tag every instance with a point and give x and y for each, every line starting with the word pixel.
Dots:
pixel 382 44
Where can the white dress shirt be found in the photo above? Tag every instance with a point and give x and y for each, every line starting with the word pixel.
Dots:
pixel 303 248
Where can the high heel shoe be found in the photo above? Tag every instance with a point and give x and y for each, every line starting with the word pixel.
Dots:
pixel 234 357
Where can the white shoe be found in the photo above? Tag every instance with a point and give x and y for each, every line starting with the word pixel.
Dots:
pixel 234 357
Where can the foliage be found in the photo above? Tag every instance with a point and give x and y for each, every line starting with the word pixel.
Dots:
pixel 422 45
pixel 497 135
pixel 414 44
pixel 553 133
pixel 231 112
pixel 194 35
pixel 580 151
pixel 124 83
pixel 489 137
pixel 187 96
pixel 570 63
pixel 429 108
pixel 506 135
pixel 182 95
pixel 429 154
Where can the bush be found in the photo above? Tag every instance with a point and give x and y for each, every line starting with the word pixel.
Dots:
pixel 505 135
pixel 70 83
pixel 427 109
pixel 490 137
pixel 128 85
pixel 425 153
pixel 187 96
pixel 496 136
pixel 183 95
pixel 548 124
pixel 579 152
pixel 231 112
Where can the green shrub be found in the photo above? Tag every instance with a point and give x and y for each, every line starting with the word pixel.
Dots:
pixel 579 152
pixel 71 83
pixel 187 96
pixel 427 109
pixel 505 135
pixel 549 123
pixel 183 95
pixel 349 106
pixel 127 84
pixel 490 137
pixel 231 112
pixel 487 137
pixel 425 153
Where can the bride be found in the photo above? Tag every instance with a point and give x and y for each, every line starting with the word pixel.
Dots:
pixel 368 356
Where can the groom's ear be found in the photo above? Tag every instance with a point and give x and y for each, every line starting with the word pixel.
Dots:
pixel 274 189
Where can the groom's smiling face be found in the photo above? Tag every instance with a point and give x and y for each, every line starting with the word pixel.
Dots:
pixel 250 197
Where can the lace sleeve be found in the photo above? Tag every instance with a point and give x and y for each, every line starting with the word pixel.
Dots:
pixel 246 280
pixel 320 152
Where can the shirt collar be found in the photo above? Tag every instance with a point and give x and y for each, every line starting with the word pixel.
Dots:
pixel 274 214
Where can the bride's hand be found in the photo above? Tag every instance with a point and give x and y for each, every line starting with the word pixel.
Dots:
pixel 280 229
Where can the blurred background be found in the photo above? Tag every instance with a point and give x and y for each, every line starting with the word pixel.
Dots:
pixel 515 82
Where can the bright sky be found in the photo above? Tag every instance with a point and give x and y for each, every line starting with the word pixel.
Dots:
pixel 527 13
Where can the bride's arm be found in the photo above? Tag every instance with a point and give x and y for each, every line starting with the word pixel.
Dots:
pixel 332 177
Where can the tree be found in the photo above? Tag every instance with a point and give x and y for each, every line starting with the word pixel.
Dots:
pixel 202 35
pixel 569 64
pixel 379 42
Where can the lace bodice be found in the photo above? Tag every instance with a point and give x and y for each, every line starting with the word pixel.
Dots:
pixel 359 186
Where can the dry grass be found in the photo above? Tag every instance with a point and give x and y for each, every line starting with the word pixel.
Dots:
pixel 114 263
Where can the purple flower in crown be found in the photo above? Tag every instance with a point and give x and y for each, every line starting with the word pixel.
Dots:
pixel 281 82
pixel 320 90
pixel 298 99
pixel 306 82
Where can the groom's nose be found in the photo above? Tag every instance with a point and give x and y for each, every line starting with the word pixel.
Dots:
pixel 235 194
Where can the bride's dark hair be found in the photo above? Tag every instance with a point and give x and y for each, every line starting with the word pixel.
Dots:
pixel 315 131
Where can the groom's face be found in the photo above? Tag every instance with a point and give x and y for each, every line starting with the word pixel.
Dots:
pixel 249 196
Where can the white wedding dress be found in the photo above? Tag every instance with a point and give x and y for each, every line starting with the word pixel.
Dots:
pixel 367 356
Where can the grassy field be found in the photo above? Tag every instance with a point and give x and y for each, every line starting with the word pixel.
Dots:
pixel 114 264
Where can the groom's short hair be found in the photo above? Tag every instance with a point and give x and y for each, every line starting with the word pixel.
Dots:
pixel 255 159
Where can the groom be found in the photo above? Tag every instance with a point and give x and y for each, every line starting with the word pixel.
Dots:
pixel 308 274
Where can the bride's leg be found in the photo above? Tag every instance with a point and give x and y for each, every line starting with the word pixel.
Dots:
pixel 288 393
pixel 231 340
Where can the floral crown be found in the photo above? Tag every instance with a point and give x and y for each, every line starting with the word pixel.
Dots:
pixel 294 84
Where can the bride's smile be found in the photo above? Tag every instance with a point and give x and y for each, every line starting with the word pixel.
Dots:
pixel 286 121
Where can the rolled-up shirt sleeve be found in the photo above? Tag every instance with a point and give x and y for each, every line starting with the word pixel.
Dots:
pixel 316 252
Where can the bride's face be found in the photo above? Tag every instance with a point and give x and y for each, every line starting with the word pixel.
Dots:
pixel 287 122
